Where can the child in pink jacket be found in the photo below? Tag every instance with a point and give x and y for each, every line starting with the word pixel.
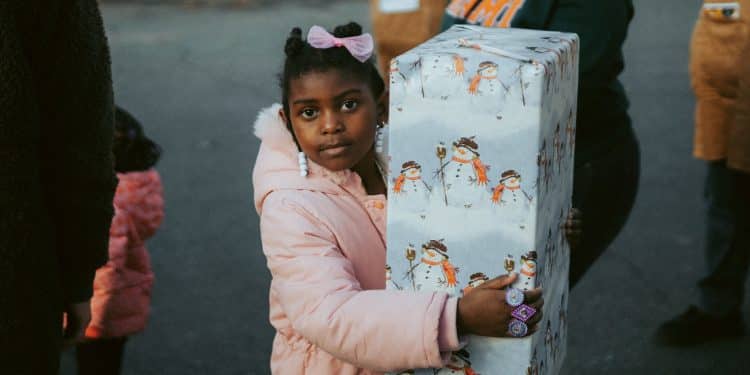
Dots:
pixel 122 287
pixel 320 193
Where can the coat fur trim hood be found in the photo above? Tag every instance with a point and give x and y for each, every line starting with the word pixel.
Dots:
pixel 276 166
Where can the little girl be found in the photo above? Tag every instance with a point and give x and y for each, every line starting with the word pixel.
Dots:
pixel 320 193
pixel 122 287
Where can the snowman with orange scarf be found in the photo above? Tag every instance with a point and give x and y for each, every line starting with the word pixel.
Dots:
pixel 409 188
pixel 512 199
pixel 434 272
pixel 485 81
pixel 459 364
pixel 464 175
pixel 442 74
pixel 527 277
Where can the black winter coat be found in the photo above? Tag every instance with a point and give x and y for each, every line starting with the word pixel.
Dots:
pixel 56 177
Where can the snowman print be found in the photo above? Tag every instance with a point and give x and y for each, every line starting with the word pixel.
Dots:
pixel 389 282
pixel 527 276
pixel 485 82
pixel 512 199
pixel 441 74
pixel 459 364
pixel 409 189
pixel 464 175
pixel 397 84
pixel 434 272
pixel 475 280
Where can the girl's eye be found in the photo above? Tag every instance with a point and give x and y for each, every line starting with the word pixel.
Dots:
pixel 349 105
pixel 308 113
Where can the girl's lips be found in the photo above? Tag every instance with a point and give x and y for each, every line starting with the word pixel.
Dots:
pixel 335 149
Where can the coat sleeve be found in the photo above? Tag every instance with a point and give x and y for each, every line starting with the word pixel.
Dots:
pixel 602 27
pixel 319 292
pixel 78 128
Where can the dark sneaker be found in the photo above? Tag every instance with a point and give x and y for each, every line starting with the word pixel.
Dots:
pixel 695 327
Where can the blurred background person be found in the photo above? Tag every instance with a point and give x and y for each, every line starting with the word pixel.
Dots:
pixel 400 25
pixel 720 77
pixel 56 177
pixel 607 155
pixel 122 287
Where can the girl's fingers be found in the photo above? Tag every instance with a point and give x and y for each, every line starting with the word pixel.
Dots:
pixel 532 330
pixel 538 304
pixel 499 282
pixel 535 319
pixel 573 224
pixel 532 295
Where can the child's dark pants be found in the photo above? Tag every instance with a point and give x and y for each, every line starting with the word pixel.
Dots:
pixel 102 357
pixel 727 251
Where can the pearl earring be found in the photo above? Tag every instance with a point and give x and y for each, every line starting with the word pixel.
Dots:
pixel 379 136
pixel 302 161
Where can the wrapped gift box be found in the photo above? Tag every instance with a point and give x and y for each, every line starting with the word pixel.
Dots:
pixel 482 134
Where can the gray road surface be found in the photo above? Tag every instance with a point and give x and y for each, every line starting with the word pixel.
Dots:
pixel 196 76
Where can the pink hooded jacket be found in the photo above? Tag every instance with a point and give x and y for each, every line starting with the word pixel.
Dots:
pixel 324 239
pixel 122 287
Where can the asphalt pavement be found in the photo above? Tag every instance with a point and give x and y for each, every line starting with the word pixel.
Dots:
pixel 197 72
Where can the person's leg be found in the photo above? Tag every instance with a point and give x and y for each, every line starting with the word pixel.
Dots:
pixel 742 221
pixel 722 289
pixel 726 250
pixel 103 357
pixel 604 190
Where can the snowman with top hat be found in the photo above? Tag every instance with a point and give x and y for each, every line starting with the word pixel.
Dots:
pixel 514 202
pixel 442 74
pixel 459 364
pixel 409 189
pixel 527 275
pixel 475 280
pixel 485 82
pixel 434 272
pixel 464 175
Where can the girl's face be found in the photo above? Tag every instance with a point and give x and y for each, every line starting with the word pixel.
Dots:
pixel 334 118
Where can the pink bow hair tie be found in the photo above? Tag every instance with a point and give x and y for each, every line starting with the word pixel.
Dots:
pixel 359 46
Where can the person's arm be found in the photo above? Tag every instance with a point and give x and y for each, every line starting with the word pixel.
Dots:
pixel 602 27
pixel 77 137
pixel 318 291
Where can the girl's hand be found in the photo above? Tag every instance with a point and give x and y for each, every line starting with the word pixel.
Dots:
pixel 573 227
pixel 484 312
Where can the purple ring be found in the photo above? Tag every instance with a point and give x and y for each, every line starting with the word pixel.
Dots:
pixel 514 296
pixel 517 328
pixel 523 312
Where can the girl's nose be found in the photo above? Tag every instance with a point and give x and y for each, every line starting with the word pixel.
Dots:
pixel 331 124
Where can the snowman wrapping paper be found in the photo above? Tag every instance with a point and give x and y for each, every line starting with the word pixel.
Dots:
pixel 481 143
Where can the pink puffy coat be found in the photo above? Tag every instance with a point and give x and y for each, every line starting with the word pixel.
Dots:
pixel 122 287
pixel 324 239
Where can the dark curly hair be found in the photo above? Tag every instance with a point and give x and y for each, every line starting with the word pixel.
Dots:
pixel 133 151
pixel 302 58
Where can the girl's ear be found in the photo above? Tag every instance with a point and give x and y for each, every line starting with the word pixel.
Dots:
pixel 382 107
pixel 283 116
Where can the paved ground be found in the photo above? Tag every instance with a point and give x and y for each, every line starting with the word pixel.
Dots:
pixel 197 75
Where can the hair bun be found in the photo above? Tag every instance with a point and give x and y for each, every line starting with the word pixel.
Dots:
pixel 294 42
pixel 350 29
